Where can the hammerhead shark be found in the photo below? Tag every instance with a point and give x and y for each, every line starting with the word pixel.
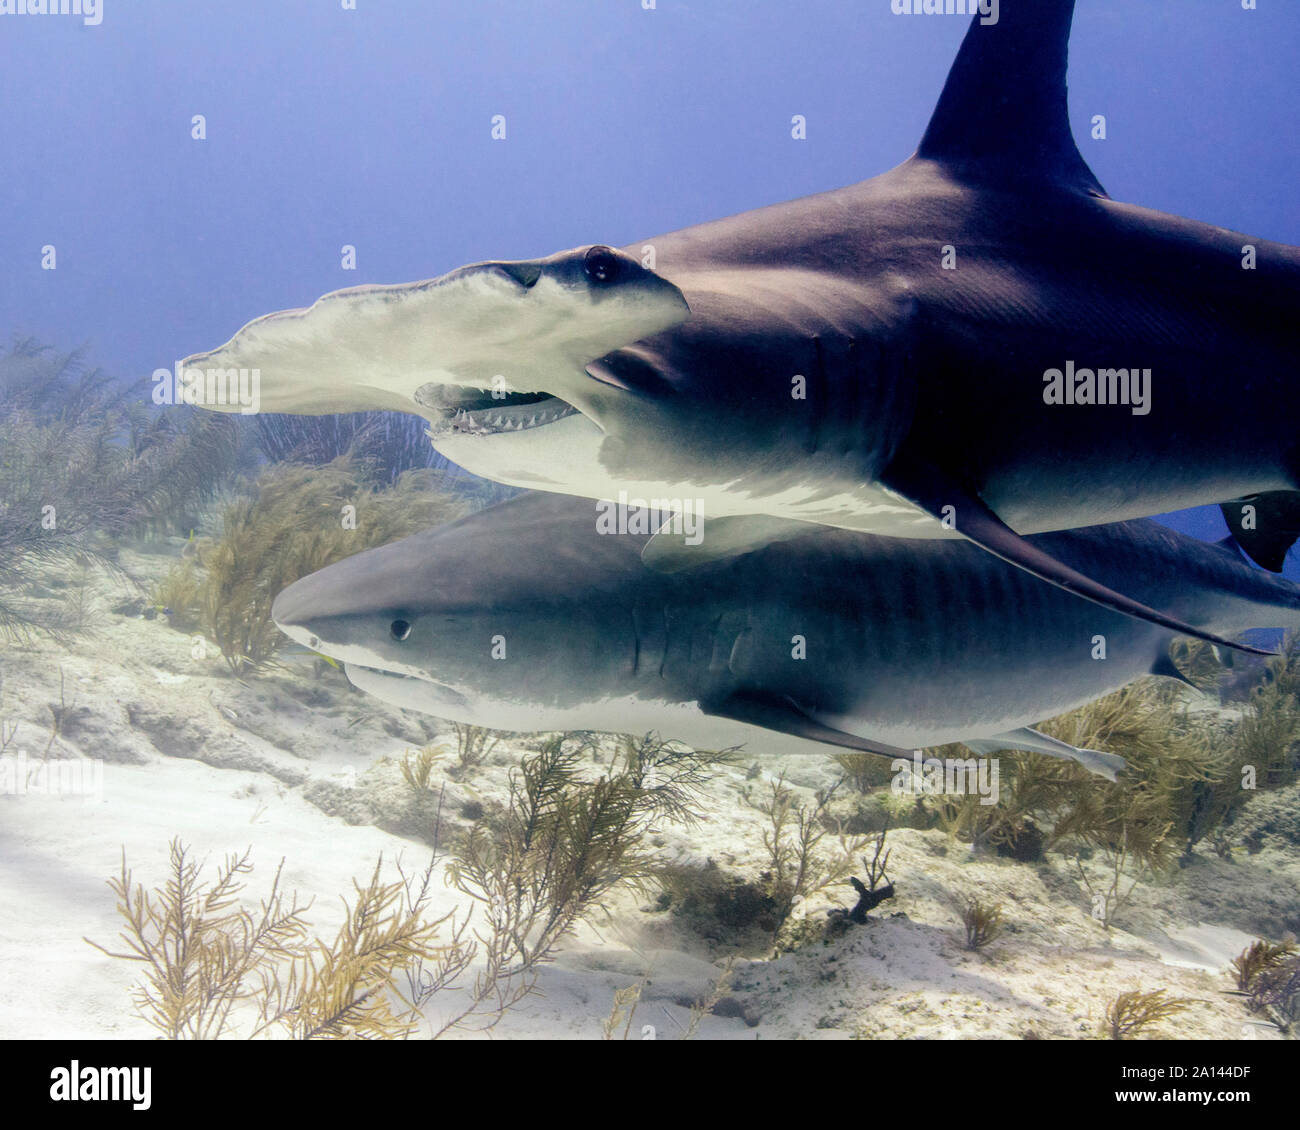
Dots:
pixel 978 344
pixel 527 617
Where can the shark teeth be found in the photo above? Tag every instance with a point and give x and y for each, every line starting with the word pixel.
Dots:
pixel 502 418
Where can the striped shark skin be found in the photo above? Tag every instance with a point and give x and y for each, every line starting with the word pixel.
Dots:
pixel 527 617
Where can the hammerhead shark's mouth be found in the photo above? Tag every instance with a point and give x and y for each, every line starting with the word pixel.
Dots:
pixel 491 412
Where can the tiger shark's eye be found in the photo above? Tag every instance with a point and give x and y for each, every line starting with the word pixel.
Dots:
pixel 601 264
pixel 400 629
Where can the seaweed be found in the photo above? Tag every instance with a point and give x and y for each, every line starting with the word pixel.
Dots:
pixel 865 771
pixel 709 1002
pixel 61 488
pixel 560 847
pixel 472 745
pixel 1268 974
pixel 983 922
pixel 627 999
pixel 386 444
pixel 1152 811
pixel 180 595
pixel 796 868
pixel 1197 661
pixel 417 767
pixel 383 445
pixel 87 462
pixel 721 907
pixel 1276 992
pixel 215 968
pixel 301 519
pixel 1185 783
pixel 55 388
pixel 1259 957
pixel 622 1011
pixel 564 843
pixel 1109 896
pixel 871 894
pixel 1266 738
pixel 1134 1011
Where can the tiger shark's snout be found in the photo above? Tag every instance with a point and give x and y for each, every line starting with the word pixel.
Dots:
pixel 334 608
pixel 314 612
pixel 327 613
pixel 291 613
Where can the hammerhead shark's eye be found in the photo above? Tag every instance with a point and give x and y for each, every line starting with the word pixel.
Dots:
pixel 601 264
pixel 400 629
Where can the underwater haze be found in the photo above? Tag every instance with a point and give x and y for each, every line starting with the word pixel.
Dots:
pixel 373 127
pixel 370 126
pixel 284 631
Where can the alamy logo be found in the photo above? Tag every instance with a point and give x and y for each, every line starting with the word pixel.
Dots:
pixel 101 1084
pixel 987 10
pixel 949 776
pixel 72 776
pixel 90 11
pixel 1099 386
pixel 208 388
pixel 684 516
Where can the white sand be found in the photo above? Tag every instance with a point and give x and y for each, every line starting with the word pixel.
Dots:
pixel 284 762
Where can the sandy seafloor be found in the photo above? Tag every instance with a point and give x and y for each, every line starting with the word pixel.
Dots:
pixel 300 765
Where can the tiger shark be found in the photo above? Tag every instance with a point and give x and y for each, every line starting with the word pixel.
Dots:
pixel 979 344
pixel 527 617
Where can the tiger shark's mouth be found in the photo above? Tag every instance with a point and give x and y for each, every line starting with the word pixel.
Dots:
pixel 490 412
pixel 393 686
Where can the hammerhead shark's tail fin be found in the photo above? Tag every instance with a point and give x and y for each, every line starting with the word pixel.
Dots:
pixel 1265 525
pixel 1003 114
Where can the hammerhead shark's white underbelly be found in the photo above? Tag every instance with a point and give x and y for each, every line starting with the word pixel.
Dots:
pixel 563 457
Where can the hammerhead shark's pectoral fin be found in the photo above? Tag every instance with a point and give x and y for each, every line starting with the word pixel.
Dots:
pixel 717 538
pixel 960 509
pixel 1265 525
pixel 1106 765
pixel 784 715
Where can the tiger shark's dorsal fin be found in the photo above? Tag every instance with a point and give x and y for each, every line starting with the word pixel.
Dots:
pixel 1003 114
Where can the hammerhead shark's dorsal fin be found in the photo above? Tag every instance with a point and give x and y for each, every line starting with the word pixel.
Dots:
pixel 943 497
pixel 718 538
pixel 784 715
pixel 1003 114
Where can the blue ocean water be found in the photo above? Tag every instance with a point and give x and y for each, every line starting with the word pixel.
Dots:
pixel 179 167
pixel 368 124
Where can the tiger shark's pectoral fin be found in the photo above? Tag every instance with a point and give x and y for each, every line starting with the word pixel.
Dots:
pixel 784 715
pixel 717 538
pixel 960 509
pixel 1106 765
pixel 1165 668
